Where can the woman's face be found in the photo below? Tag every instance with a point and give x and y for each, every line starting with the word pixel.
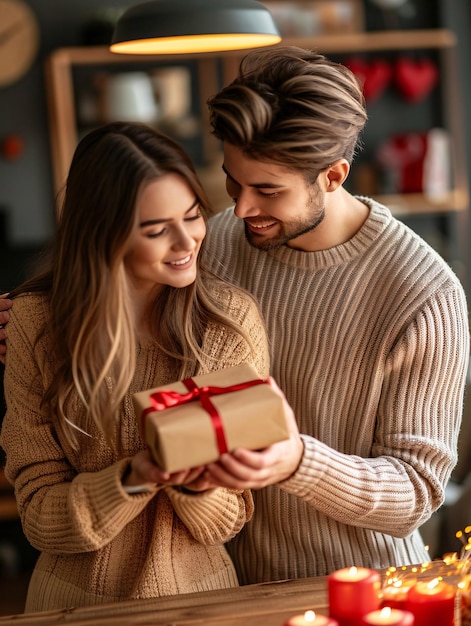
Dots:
pixel 167 236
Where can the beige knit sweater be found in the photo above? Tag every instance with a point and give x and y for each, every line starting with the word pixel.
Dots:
pixel 370 343
pixel 97 543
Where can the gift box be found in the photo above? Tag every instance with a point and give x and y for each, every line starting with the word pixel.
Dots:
pixel 192 422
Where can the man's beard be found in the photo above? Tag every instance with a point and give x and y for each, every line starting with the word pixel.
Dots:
pixel 290 230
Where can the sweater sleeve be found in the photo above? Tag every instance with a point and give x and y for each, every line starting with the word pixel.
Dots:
pixel 213 516
pixel 401 482
pixel 62 511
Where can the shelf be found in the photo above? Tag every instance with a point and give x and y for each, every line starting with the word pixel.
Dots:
pixel 214 68
pixel 61 102
pixel 350 42
pixel 417 203
pixel 375 41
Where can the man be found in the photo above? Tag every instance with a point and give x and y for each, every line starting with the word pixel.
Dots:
pixel 368 329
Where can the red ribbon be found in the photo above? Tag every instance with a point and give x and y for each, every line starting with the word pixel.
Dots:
pixel 161 400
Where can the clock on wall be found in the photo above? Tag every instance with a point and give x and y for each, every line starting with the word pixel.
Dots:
pixel 19 40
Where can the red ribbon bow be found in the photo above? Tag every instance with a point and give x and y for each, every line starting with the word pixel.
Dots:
pixel 161 400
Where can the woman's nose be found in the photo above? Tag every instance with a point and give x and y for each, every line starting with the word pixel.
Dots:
pixel 183 240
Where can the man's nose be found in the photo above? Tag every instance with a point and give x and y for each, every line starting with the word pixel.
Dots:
pixel 244 206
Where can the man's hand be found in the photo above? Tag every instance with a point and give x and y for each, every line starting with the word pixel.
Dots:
pixel 248 469
pixel 5 305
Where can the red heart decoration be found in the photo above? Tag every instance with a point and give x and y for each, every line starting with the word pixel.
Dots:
pixel 415 79
pixel 374 76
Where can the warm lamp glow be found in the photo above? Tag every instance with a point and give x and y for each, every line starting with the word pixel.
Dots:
pixel 191 26
pixel 194 43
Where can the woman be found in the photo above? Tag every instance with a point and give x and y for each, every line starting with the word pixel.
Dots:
pixel 123 305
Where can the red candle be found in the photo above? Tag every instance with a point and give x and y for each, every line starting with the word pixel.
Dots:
pixel 388 617
pixel 353 592
pixel 311 619
pixel 432 603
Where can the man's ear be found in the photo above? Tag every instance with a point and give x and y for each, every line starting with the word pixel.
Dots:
pixel 335 175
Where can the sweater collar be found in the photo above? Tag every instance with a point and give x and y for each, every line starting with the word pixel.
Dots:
pixel 379 217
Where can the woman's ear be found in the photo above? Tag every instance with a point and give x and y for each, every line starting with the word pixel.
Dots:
pixel 335 175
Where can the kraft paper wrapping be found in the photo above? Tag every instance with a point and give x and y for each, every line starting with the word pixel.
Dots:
pixel 184 436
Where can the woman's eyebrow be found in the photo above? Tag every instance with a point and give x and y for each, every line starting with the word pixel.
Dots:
pixel 166 219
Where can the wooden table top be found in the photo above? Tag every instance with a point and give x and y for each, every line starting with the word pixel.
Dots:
pixel 264 604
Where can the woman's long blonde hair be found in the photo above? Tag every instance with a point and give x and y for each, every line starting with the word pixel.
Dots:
pixel 91 321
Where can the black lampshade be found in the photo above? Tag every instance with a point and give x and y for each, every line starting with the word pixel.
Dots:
pixel 187 26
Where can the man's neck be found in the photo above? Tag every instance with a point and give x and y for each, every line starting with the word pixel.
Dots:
pixel 344 217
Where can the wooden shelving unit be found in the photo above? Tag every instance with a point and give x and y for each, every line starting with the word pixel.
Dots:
pixel 216 67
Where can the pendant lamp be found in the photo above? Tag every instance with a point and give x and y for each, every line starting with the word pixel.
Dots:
pixel 187 26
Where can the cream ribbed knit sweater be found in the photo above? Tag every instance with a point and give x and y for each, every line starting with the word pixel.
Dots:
pixel 369 342
pixel 97 543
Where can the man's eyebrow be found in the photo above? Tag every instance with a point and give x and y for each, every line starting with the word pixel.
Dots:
pixel 254 185
pixel 169 219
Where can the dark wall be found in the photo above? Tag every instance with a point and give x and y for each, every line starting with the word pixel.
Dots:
pixel 456 15
pixel 26 196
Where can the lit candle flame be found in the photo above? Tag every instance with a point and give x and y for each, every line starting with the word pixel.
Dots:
pixel 353 571
pixel 309 616
pixel 433 583
pixel 386 612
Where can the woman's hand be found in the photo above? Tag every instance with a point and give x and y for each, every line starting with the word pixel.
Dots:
pixel 143 471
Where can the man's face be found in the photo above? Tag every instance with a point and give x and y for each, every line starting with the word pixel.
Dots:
pixel 276 204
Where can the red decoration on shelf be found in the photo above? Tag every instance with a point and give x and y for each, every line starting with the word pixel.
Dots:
pixel 375 75
pixel 417 163
pixel 415 78
pixel 12 147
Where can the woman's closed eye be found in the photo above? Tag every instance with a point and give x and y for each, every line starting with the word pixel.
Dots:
pixel 193 217
pixel 190 218
pixel 155 235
